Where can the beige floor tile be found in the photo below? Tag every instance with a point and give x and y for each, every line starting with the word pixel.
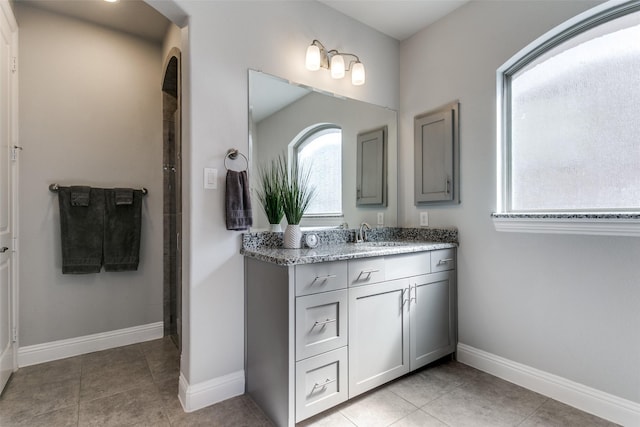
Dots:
pixel 555 414
pixel 421 388
pixel 66 417
pixel 140 407
pixel 378 408
pixel 114 379
pixel 327 419
pixel 232 412
pixel 418 418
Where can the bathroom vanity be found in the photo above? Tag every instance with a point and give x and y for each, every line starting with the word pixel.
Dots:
pixel 324 325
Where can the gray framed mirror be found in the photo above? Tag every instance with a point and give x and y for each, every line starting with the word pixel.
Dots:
pixel 303 122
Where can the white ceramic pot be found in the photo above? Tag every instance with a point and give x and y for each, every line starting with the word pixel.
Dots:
pixel 275 228
pixel 292 237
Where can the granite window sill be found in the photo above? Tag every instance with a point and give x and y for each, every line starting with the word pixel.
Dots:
pixel 600 224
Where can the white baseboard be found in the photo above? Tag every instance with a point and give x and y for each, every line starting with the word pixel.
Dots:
pixel 197 396
pixel 596 402
pixel 55 350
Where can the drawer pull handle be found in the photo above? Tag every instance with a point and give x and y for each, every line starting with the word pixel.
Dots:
pixel 444 261
pixel 323 278
pixel 368 273
pixel 324 322
pixel 324 384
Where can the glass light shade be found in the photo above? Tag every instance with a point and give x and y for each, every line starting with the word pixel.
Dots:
pixel 357 74
pixel 337 66
pixel 313 58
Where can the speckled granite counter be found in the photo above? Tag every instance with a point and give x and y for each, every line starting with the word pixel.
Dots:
pixel 336 245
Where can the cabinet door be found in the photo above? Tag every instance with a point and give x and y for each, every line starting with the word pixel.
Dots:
pixel 378 334
pixel 371 168
pixel 436 155
pixel 432 314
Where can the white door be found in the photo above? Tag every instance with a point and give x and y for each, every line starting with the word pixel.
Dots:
pixel 8 153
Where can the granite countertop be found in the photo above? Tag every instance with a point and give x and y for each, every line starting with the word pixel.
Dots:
pixel 341 251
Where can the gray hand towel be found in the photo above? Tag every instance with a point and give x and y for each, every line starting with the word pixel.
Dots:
pixel 80 195
pixel 238 201
pixel 81 230
pixel 122 228
pixel 124 196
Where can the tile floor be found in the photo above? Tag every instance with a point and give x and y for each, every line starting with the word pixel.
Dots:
pixel 137 385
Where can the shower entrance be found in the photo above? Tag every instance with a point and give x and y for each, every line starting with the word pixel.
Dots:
pixel 172 198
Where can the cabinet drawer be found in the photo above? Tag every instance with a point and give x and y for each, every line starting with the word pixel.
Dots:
pixel 320 277
pixel 407 265
pixel 321 383
pixel 443 259
pixel 366 271
pixel 321 323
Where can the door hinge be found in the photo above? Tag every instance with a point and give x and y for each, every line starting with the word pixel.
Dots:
pixel 14 335
pixel 14 64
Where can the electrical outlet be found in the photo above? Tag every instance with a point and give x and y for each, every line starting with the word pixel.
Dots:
pixel 424 219
pixel 381 218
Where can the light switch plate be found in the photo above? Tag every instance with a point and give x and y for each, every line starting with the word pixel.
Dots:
pixel 210 178
pixel 424 219
pixel 380 218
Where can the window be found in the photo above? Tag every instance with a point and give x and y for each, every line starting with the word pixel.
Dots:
pixel 568 117
pixel 320 149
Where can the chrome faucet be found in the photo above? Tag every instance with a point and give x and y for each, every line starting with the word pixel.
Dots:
pixel 362 233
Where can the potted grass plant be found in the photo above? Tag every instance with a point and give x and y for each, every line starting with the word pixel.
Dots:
pixel 270 194
pixel 297 193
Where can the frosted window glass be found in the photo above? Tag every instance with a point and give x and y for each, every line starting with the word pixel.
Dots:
pixel 322 152
pixel 575 124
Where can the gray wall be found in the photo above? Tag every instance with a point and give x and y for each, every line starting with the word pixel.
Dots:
pixel 567 305
pixel 225 39
pixel 90 113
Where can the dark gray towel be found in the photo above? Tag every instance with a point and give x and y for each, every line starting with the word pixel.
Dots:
pixel 80 195
pixel 238 201
pixel 124 196
pixel 122 227
pixel 81 229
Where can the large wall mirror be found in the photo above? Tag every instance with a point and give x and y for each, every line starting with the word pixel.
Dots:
pixel 301 122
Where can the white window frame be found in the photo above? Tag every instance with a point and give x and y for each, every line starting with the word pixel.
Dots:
pixel 593 223
pixel 322 219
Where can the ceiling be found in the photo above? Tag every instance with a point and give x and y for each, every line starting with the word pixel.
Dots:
pixel 399 19
pixel 130 16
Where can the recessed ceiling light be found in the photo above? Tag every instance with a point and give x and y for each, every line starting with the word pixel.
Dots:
pixel 111 1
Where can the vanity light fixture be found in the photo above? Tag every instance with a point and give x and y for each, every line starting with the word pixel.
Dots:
pixel 319 57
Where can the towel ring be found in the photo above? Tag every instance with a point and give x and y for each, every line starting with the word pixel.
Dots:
pixel 233 154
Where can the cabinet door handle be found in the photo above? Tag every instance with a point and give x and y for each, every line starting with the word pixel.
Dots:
pixel 405 300
pixel 415 294
pixel 323 278
pixel 448 185
pixel 368 273
pixel 444 261
pixel 324 384
pixel 323 322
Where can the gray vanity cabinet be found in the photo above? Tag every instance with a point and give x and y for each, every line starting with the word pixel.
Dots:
pixel 318 334
pixel 432 317
pixel 378 334
pixel 402 324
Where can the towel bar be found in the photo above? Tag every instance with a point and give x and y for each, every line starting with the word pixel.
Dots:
pixel 54 189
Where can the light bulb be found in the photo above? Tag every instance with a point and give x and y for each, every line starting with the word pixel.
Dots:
pixel 357 74
pixel 337 66
pixel 313 58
